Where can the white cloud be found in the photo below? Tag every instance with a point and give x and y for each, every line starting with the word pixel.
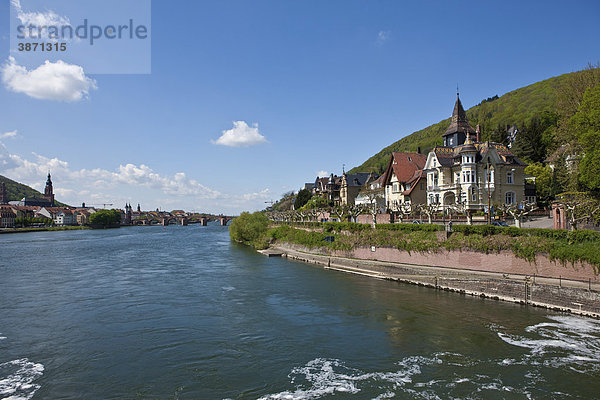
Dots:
pixel 241 135
pixel 10 134
pixel 322 174
pixel 38 19
pixel 263 194
pixel 382 37
pixel 50 81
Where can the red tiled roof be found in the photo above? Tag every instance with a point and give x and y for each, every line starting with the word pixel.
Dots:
pixel 404 166
pixel 414 181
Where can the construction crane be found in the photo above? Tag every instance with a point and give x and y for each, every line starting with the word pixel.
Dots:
pixel 101 204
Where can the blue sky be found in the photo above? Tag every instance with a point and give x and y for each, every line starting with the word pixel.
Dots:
pixel 311 85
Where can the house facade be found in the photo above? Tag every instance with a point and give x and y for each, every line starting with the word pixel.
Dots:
pixel 7 217
pixel 404 181
pixel 65 217
pixel 470 172
pixel 373 192
pixel 352 184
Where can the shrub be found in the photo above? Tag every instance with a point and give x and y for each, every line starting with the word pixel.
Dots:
pixel 410 227
pixel 345 226
pixel 106 217
pixel 250 229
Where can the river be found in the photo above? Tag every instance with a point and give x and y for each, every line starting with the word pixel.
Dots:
pixel 182 313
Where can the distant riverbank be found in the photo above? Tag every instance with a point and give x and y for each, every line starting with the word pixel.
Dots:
pixel 42 229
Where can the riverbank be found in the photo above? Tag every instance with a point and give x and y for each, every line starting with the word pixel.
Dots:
pixel 567 295
pixel 43 229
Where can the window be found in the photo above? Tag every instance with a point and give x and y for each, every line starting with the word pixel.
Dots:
pixel 473 195
pixel 437 199
pixel 510 198
pixel 510 177
pixel 396 187
pixel 422 186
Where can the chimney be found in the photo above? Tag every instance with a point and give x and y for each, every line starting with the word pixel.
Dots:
pixel 478 132
pixel 419 150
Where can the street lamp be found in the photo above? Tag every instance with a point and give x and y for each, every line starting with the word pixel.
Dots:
pixel 489 178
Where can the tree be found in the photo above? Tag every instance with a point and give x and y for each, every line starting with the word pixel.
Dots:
pixel 316 202
pixel 374 197
pixel 340 211
pixel 499 134
pixel 529 144
pixel 579 206
pixel 518 212
pixel 249 228
pixel 402 210
pixel 569 99
pixel 560 177
pixel 429 210
pixel 586 122
pixel 285 203
pixel 461 208
pixel 302 198
pixel 543 181
pixel 355 210
pixel 106 217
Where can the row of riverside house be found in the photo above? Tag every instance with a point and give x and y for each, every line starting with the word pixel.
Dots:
pixel 463 171
pixel 40 211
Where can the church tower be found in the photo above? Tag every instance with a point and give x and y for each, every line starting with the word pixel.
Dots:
pixel 3 195
pixel 128 210
pixel 49 191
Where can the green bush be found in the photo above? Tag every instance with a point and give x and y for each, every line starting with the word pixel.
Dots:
pixel 250 229
pixel 410 227
pixel 106 217
pixel 345 226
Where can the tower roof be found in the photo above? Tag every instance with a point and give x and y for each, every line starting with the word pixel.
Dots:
pixel 459 123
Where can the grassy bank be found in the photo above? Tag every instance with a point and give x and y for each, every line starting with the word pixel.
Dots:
pixel 525 243
pixel 42 229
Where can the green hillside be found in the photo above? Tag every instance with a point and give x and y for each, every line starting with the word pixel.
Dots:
pixel 16 191
pixel 493 114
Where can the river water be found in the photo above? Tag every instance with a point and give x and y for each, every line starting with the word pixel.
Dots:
pixel 182 313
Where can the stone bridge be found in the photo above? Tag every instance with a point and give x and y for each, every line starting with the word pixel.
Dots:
pixel 203 220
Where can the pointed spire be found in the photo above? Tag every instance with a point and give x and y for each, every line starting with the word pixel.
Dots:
pixel 459 122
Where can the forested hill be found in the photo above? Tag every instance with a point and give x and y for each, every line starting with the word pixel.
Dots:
pixel 492 114
pixel 16 191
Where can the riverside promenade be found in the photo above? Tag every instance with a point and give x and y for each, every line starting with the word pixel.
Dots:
pixel 567 295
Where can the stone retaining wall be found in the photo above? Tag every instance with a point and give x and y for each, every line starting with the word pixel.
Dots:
pixel 503 262
pixel 497 282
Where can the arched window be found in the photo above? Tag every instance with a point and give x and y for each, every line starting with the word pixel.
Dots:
pixel 511 198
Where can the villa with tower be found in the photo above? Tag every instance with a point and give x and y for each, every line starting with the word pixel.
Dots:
pixel 471 172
